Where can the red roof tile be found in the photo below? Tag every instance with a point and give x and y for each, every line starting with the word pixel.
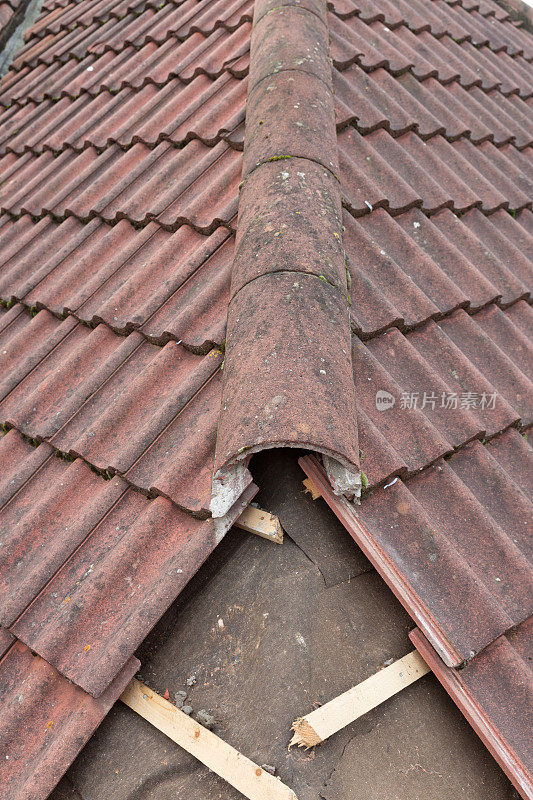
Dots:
pixel 429 134
pixel 6 19
pixel 151 64
pixel 377 100
pixel 109 399
pixel 151 25
pixel 459 560
pixel 204 109
pixel 134 288
pixel 375 45
pixel 137 184
pixel 120 141
pixel 494 694
pixel 51 582
pixel 6 640
pixel 41 708
pixel 63 500
pixel 97 609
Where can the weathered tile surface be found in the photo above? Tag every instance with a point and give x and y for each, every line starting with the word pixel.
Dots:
pixel 387 197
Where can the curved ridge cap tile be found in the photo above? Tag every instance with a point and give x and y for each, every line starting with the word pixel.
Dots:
pixel 307 109
pixel 288 38
pixel 288 340
pixel 290 220
pixel 264 7
pixel 287 346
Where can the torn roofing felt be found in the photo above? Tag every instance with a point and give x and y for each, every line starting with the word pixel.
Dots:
pixel 288 379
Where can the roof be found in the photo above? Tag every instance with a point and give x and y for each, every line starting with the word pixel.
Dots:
pixel 389 194
pixel 72 525
pixel 11 13
pixel 488 691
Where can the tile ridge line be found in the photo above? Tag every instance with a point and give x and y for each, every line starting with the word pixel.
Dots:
pixel 290 329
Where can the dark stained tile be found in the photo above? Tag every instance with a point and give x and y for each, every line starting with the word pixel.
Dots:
pixel 287 208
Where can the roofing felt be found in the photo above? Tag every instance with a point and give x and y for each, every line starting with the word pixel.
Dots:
pixel 121 139
pixel 488 691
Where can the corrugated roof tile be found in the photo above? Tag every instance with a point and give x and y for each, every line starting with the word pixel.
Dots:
pixel 132 289
pixel 204 109
pixel 375 45
pixel 51 512
pixel 440 18
pixel 492 361
pixel 40 708
pixel 138 184
pixel 430 377
pixel 377 100
pixel 94 381
pixel 152 64
pixel 61 382
pixel 450 562
pixel 152 25
pixel 95 612
pixel 494 693
pixel 499 271
pixel 511 450
pixel 26 342
pixel 400 173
